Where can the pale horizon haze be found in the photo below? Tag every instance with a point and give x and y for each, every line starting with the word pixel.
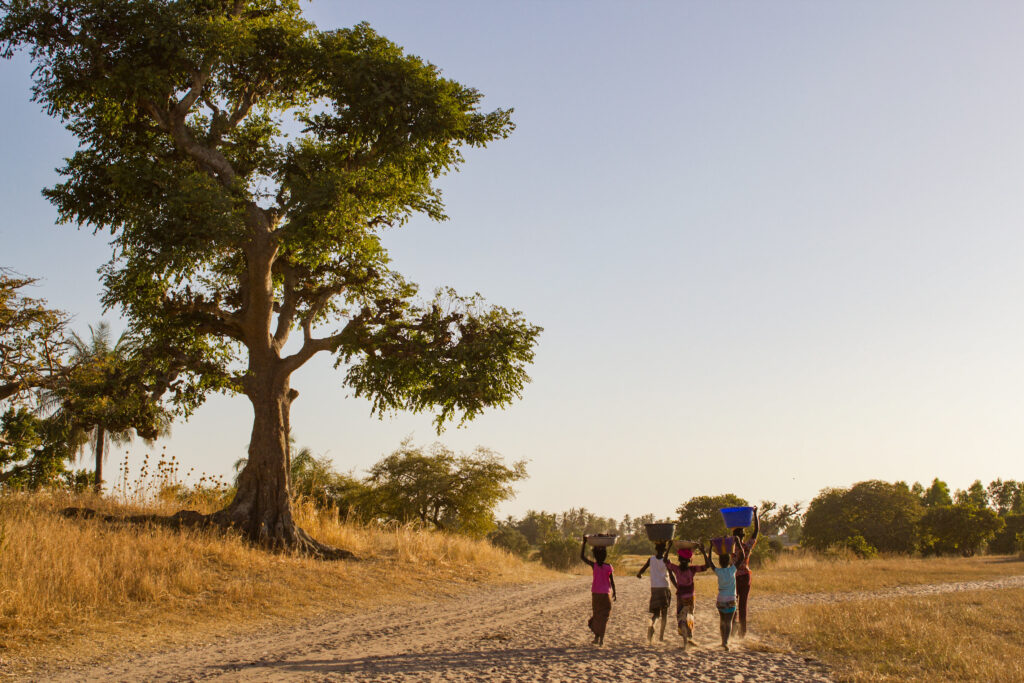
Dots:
pixel 774 246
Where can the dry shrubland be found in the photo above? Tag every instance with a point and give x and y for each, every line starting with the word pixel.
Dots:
pixel 75 587
pixel 969 636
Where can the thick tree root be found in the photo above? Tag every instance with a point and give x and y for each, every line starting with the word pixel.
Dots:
pixel 283 540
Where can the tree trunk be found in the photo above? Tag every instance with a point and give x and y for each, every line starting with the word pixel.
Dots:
pixel 262 508
pixel 100 438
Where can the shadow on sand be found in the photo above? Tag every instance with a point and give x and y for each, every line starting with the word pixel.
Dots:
pixel 482 661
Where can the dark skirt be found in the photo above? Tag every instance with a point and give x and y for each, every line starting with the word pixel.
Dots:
pixel 661 598
pixel 602 604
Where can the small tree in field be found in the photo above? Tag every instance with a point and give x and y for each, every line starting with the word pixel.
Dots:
pixel 247 164
pixel 700 517
pixel 437 487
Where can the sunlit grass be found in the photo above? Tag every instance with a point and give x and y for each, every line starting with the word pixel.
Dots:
pixel 74 587
pixel 969 636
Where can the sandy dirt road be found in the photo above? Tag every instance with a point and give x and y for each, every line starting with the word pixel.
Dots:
pixel 523 633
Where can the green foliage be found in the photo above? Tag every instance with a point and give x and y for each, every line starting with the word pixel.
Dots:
pixel 437 487
pixel 560 553
pixel 229 234
pixel 316 479
pixel 538 527
pixel 32 341
pixel 1007 497
pixel 699 517
pixel 884 516
pixel 961 529
pixel 1005 540
pixel 102 398
pixel 937 494
pixel 511 539
pixel 33 451
pixel 855 545
pixel 975 496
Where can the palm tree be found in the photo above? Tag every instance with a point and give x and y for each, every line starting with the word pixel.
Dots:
pixel 99 401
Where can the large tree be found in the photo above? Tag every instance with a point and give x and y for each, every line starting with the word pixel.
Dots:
pixel 436 486
pixel 246 164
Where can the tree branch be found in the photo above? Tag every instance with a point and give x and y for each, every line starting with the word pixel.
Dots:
pixel 289 303
pixel 207 314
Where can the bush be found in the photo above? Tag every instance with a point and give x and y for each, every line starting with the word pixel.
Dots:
pixel 634 544
pixel 851 547
pixel 1005 541
pixel 559 553
pixel 962 529
pixel 766 550
pixel 510 539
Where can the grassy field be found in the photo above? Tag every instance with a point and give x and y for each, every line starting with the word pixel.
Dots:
pixel 73 588
pixel 970 636
pixel 799 572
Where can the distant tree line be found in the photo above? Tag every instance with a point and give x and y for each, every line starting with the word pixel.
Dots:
pixel 876 516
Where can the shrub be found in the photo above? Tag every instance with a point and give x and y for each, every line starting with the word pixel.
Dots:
pixel 852 546
pixel 963 529
pixel 559 553
pixel 510 539
pixel 1005 541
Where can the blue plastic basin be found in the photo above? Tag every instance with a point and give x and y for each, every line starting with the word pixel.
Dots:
pixel 738 517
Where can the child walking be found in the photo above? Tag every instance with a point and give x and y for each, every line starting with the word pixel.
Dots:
pixel 743 571
pixel 726 600
pixel 602 584
pixel 682 575
pixel 661 596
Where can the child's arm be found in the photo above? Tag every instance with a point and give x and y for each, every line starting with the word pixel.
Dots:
pixel 710 559
pixel 707 562
pixel 757 525
pixel 583 552
pixel 672 577
pixel 647 564
pixel 611 580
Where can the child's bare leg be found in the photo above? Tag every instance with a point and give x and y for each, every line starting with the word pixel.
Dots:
pixel 664 618
pixel 725 625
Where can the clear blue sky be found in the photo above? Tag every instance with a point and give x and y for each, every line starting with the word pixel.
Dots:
pixel 774 246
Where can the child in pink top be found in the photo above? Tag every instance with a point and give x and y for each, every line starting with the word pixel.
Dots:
pixel 682 576
pixel 602 583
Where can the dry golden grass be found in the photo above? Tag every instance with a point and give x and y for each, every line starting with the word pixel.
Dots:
pixel 970 636
pixel 803 572
pixel 71 588
pixel 809 573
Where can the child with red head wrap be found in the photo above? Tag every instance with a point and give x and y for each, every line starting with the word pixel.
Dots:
pixel 681 576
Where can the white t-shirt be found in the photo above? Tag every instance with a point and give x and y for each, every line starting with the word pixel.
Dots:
pixel 659 573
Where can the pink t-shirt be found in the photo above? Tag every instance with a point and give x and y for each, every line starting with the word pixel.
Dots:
pixel 602 579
